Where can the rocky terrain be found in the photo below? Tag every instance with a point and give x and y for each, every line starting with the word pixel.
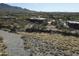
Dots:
pixel 42 44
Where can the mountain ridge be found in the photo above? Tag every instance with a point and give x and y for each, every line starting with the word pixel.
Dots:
pixel 9 8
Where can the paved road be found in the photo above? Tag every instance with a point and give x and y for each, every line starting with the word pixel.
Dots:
pixel 14 44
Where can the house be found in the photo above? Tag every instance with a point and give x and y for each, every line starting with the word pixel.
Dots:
pixel 37 20
pixel 73 24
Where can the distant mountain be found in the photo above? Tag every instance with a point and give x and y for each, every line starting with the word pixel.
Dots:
pixel 8 8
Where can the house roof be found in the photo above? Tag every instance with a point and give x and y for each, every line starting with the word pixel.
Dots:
pixel 38 18
pixel 75 22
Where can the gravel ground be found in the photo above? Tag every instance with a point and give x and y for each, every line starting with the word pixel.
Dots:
pixel 14 44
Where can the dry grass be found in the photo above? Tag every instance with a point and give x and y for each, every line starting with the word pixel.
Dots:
pixel 2 47
pixel 57 44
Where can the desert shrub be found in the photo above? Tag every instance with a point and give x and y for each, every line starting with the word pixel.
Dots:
pixel 1 38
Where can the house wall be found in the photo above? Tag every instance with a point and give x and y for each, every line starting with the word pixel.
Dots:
pixel 73 25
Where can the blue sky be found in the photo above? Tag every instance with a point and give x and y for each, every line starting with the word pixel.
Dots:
pixel 49 7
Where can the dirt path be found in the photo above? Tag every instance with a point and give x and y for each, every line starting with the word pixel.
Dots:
pixel 14 44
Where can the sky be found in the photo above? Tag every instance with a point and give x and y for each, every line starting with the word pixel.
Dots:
pixel 49 7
